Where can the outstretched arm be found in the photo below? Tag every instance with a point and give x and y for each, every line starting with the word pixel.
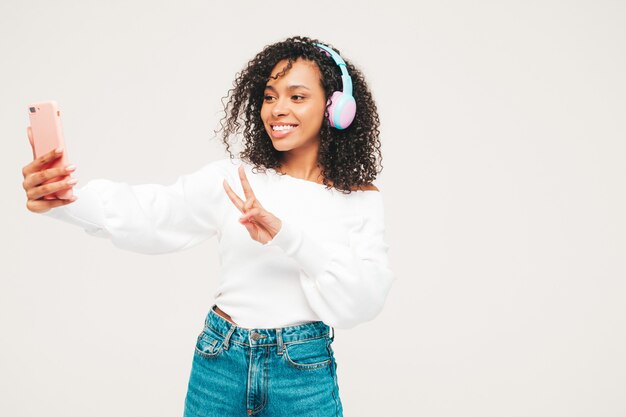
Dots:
pixel 150 218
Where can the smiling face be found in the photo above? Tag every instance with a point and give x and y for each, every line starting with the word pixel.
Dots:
pixel 293 107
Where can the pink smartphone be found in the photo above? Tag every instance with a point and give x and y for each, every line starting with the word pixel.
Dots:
pixel 45 133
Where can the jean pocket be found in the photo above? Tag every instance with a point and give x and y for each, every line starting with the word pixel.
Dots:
pixel 209 343
pixel 309 354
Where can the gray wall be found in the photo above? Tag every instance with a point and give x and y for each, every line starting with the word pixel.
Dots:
pixel 504 143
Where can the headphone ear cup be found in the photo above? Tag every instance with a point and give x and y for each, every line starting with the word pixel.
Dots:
pixel 342 110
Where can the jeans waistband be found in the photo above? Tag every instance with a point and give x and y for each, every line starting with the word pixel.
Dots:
pixel 264 337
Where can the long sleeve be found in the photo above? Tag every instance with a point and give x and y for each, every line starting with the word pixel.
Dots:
pixel 344 285
pixel 150 218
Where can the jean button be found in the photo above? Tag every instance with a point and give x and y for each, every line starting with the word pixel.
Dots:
pixel 256 336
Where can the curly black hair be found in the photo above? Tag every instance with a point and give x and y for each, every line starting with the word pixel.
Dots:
pixel 346 157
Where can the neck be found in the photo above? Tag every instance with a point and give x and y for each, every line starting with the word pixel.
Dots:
pixel 303 166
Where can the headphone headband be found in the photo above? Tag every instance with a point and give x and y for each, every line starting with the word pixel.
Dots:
pixel 342 106
pixel 345 77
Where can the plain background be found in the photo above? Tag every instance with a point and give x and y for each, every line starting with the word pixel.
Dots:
pixel 504 146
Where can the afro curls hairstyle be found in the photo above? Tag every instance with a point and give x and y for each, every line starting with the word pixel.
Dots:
pixel 347 157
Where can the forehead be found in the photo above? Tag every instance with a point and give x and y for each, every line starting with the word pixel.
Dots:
pixel 301 72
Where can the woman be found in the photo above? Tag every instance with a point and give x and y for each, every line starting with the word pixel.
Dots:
pixel 314 256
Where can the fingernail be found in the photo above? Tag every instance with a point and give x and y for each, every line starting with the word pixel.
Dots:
pixel 59 150
pixel 70 167
pixel 72 181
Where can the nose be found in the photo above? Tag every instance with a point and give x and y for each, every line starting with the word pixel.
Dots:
pixel 281 108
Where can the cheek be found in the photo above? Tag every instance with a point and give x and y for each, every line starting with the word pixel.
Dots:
pixel 321 109
pixel 264 116
pixel 264 112
pixel 314 115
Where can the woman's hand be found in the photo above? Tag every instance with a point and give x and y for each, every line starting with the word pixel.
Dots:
pixel 35 174
pixel 261 224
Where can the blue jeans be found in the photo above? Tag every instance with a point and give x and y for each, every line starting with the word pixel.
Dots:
pixel 289 371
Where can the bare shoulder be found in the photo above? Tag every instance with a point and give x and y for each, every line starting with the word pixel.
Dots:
pixel 367 187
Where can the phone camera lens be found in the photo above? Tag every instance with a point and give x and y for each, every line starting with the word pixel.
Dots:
pixel 32 110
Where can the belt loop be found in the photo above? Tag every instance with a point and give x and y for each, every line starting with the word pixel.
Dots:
pixel 228 335
pixel 206 320
pixel 332 331
pixel 279 341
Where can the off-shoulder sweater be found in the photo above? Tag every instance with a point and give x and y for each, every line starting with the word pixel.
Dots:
pixel 328 261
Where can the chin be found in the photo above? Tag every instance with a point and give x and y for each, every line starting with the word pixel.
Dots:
pixel 280 147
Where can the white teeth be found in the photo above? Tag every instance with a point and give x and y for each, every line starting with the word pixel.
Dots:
pixel 283 127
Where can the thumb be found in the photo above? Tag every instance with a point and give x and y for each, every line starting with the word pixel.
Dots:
pixel 250 213
pixel 29 132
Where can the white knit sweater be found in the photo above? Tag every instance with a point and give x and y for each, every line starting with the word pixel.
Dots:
pixel 328 261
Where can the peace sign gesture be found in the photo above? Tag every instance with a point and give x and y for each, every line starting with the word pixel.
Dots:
pixel 261 224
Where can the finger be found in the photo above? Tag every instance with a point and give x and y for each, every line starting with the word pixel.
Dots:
pixel 249 204
pixel 38 206
pixel 38 193
pixel 250 196
pixel 252 229
pixel 43 190
pixel 248 222
pixel 247 189
pixel 233 196
pixel 40 162
pixel 37 178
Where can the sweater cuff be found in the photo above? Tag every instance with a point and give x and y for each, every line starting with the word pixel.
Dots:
pixel 306 251
pixel 85 212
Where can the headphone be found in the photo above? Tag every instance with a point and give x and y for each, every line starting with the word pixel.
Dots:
pixel 342 107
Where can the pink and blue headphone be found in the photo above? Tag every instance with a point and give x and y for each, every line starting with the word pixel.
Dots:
pixel 342 107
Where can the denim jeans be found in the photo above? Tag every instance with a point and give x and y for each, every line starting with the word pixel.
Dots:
pixel 288 371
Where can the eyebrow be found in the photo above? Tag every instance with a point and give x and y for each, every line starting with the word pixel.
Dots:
pixel 291 87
